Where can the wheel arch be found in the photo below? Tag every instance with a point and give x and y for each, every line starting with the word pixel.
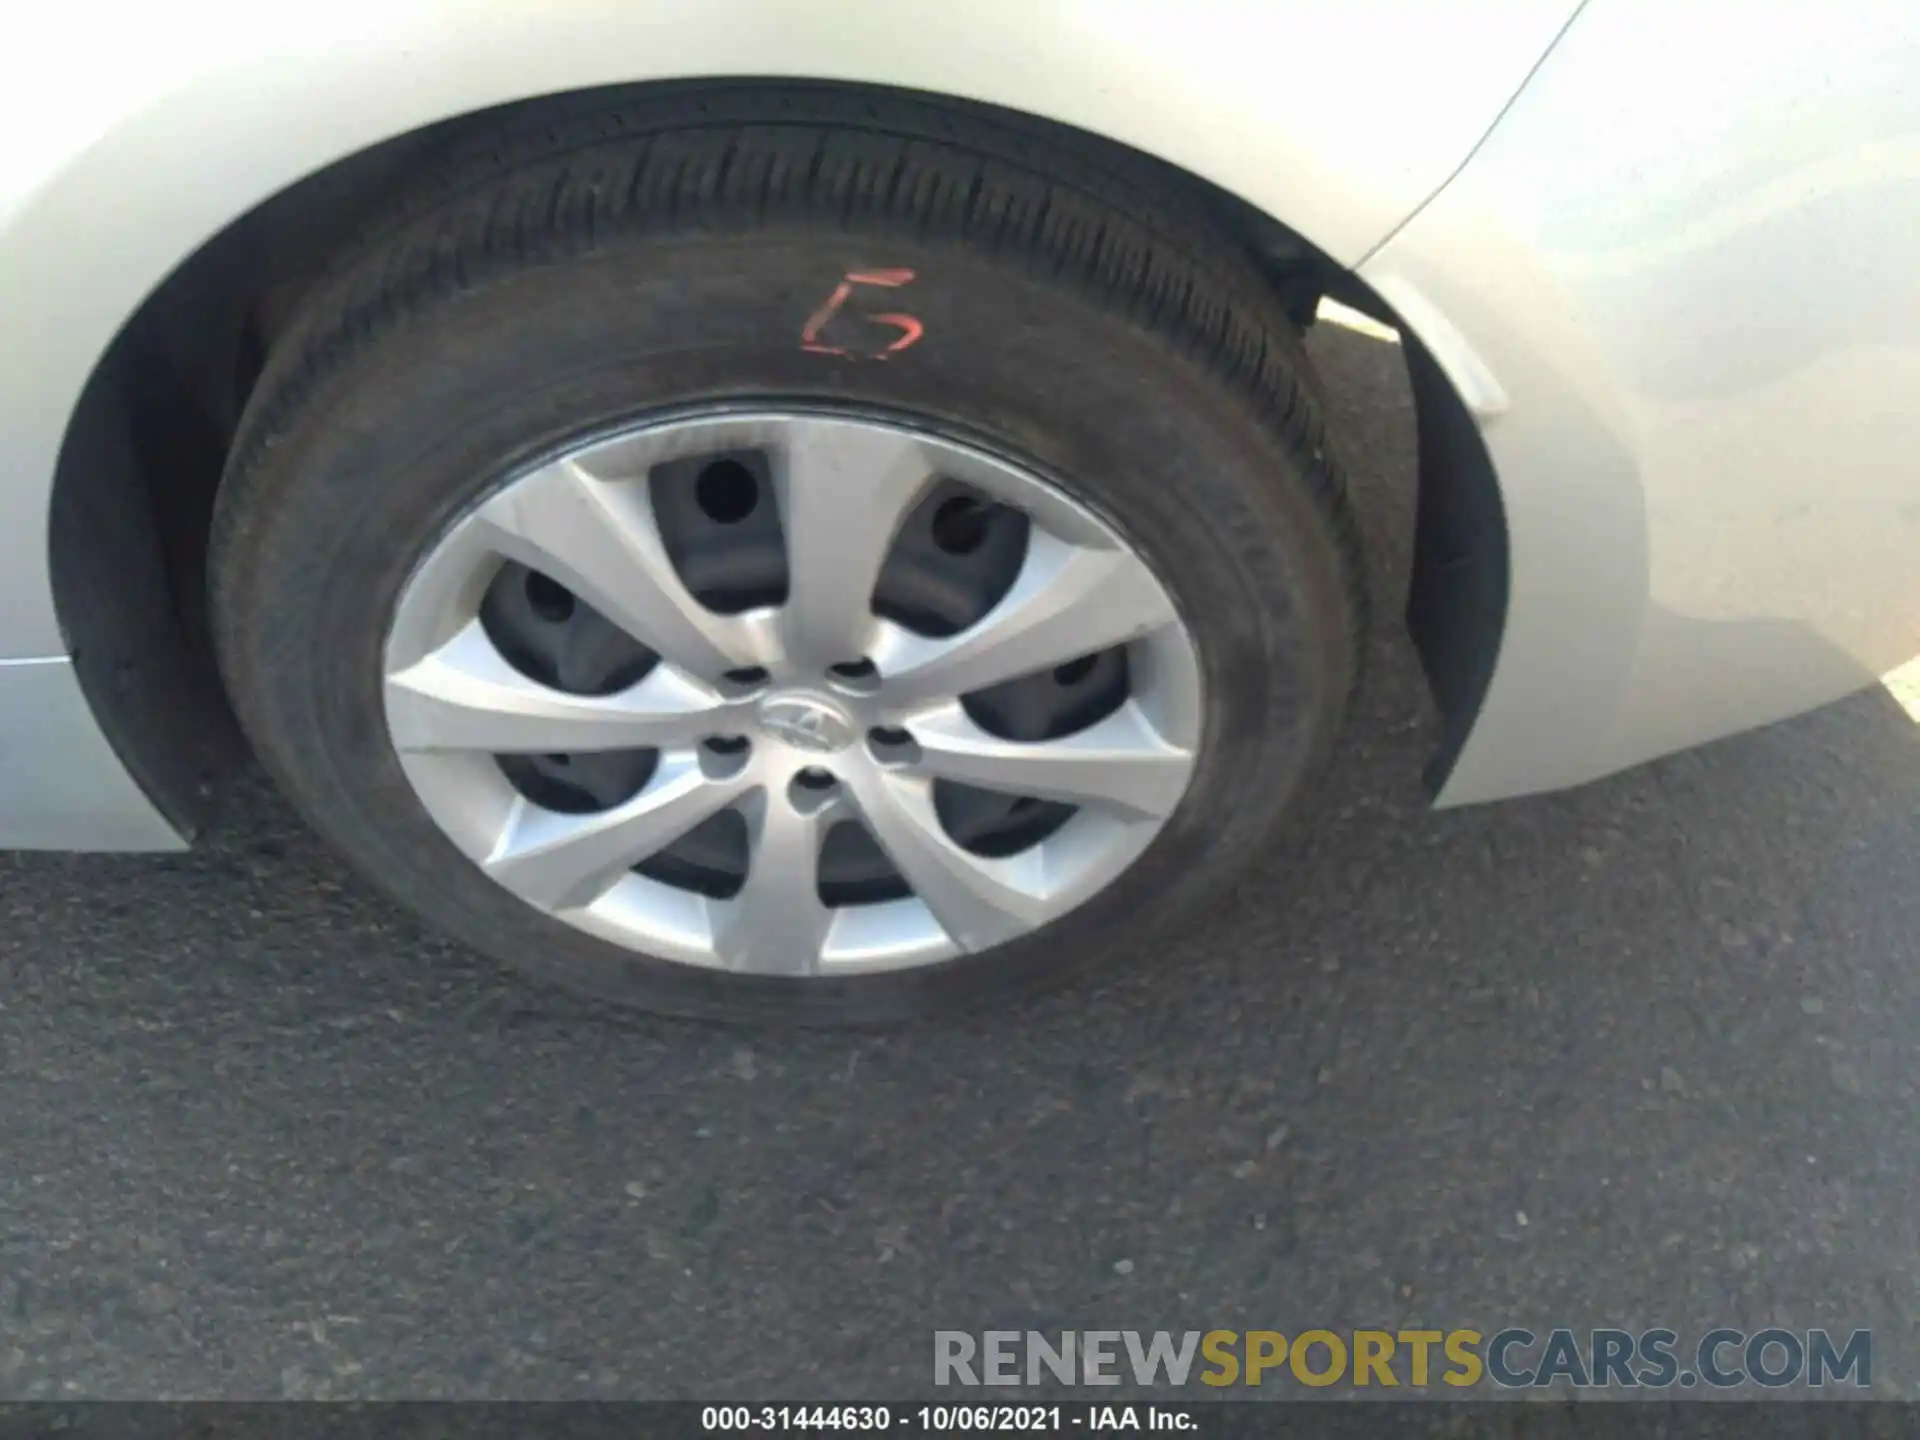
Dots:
pixel 141 453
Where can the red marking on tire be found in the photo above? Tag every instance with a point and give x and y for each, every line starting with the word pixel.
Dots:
pixel 911 331
pixel 910 328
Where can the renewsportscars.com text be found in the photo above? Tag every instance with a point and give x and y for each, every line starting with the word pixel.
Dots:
pixel 1722 1358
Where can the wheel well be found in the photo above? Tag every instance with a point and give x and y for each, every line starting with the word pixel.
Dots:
pixel 144 449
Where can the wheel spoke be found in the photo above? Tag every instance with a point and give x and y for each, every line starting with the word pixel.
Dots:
pixel 465 696
pixel 1067 601
pixel 1121 762
pixel 843 491
pixel 561 861
pixel 776 924
pixel 599 539
pixel 979 902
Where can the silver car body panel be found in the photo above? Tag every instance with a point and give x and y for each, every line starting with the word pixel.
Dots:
pixel 61 785
pixel 1696 415
pixel 1676 286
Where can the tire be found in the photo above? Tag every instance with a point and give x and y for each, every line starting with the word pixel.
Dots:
pixel 620 265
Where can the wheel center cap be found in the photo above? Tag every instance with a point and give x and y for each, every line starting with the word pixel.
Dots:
pixel 807 722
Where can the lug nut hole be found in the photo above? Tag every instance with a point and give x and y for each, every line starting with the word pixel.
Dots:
pixel 855 677
pixel 890 745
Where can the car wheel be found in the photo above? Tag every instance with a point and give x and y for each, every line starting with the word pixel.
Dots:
pixel 745 564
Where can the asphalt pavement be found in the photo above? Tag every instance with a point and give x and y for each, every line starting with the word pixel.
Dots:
pixel 1639 1054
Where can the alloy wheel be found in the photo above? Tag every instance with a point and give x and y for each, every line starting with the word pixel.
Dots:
pixel 792 693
